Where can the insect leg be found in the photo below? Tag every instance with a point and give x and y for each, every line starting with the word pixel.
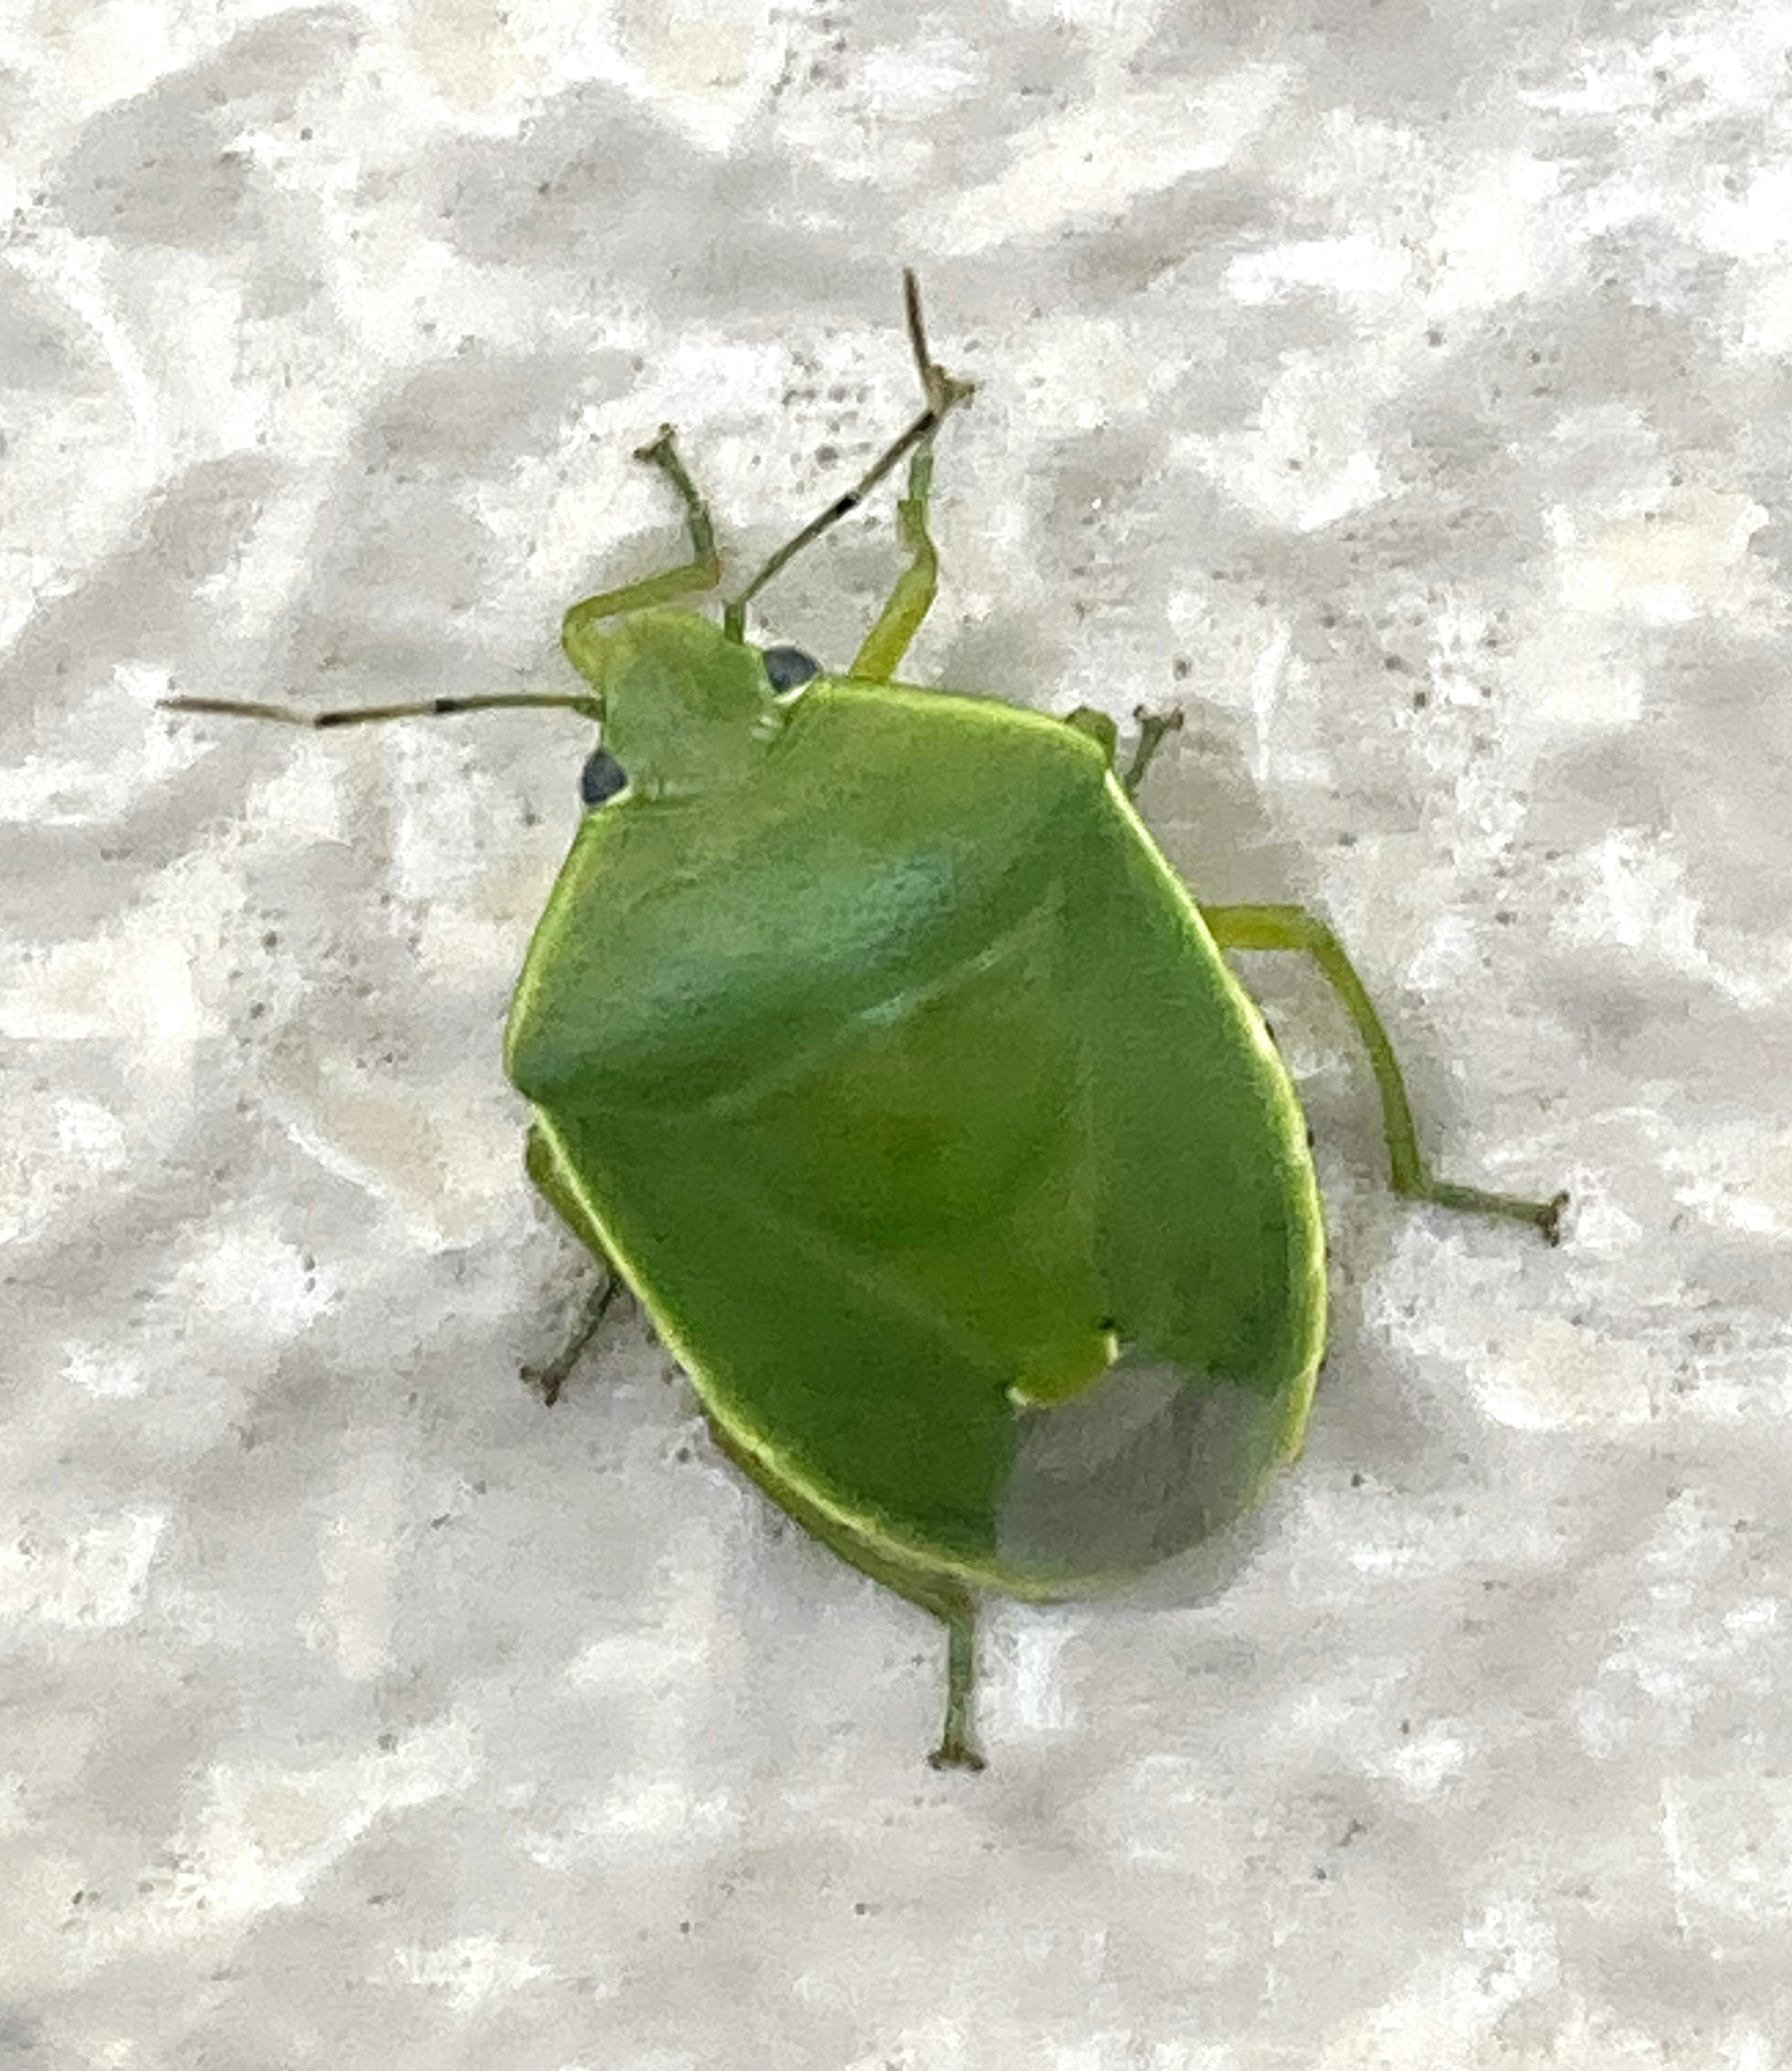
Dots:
pixel 551 1376
pixel 544 1167
pixel 946 1598
pixel 908 603
pixel 1152 727
pixel 1101 730
pixel 899 620
pixel 703 571
pixel 1293 928
pixel 955 1749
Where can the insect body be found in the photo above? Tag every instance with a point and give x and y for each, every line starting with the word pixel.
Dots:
pixel 871 1041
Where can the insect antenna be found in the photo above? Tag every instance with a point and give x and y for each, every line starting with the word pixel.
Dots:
pixel 364 714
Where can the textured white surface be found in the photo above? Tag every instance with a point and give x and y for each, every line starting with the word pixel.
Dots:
pixel 1404 389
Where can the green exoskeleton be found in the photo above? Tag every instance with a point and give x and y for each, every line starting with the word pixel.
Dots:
pixel 870 1041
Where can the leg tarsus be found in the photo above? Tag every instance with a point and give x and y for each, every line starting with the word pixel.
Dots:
pixel 1544 1217
pixel 543 1163
pixel 1152 727
pixel 957 1749
pixel 549 1378
pixel 662 451
pixel 1293 928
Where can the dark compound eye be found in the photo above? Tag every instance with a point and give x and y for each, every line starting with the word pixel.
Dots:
pixel 601 777
pixel 789 667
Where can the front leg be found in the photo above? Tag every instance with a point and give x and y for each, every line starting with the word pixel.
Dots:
pixel 908 603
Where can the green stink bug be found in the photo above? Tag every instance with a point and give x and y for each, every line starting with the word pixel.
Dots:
pixel 872 1042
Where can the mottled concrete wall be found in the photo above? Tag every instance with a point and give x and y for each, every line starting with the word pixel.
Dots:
pixel 1402 391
